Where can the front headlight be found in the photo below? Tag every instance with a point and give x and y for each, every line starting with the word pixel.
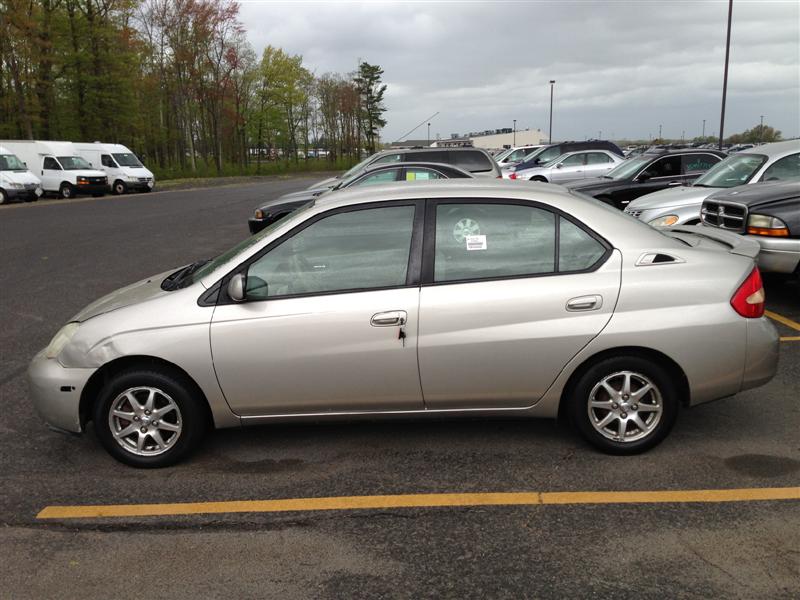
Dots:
pixel 132 178
pixel 766 225
pixel 17 186
pixel 61 339
pixel 664 221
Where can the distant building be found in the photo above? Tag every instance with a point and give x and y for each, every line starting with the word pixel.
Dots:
pixel 493 139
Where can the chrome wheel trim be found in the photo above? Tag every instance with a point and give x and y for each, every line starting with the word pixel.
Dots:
pixel 145 421
pixel 625 407
pixel 464 227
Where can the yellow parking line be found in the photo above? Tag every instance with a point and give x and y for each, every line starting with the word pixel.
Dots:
pixel 791 339
pixel 784 320
pixel 417 501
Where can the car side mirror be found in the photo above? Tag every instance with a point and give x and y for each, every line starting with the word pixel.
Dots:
pixel 237 287
pixel 560 166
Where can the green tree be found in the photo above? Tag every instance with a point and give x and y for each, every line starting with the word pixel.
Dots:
pixel 371 91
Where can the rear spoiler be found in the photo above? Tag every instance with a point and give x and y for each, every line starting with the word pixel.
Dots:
pixel 738 244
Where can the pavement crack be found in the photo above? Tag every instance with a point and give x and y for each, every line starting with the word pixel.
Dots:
pixel 710 563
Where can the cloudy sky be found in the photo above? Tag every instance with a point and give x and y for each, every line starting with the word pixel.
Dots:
pixel 621 67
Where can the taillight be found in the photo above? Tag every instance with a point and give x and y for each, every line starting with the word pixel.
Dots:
pixel 748 300
pixel 512 176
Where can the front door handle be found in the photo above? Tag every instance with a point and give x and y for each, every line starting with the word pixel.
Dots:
pixel 671 183
pixel 392 318
pixel 593 302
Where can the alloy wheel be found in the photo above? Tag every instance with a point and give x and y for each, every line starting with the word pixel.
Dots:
pixel 145 421
pixel 625 406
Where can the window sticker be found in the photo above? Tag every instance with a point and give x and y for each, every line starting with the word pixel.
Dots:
pixel 476 242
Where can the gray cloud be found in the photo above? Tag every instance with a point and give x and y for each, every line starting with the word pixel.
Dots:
pixel 622 67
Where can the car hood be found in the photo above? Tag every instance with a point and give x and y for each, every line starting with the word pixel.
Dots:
pixel 595 183
pixel 325 183
pixel 20 177
pixel 298 198
pixel 137 171
pixel 678 196
pixel 135 293
pixel 87 173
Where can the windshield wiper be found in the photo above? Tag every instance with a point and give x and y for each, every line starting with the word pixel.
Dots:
pixel 173 281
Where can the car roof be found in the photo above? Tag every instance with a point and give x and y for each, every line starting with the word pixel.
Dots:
pixel 416 163
pixel 671 151
pixel 399 150
pixel 775 149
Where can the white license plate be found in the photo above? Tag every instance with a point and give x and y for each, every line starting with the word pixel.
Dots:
pixel 38 192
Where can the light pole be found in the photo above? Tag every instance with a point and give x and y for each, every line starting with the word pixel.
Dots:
pixel 429 134
pixel 761 130
pixel 704 130
pixel 514 143
pixel 600 135
pixel 659 134
pixel 725 77
pixel 552 84
pixel 683 136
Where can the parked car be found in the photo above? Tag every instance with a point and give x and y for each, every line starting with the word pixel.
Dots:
pixel 277 209
pixel 16 181
pixel 647 173
pixel 59 167
pixel 474 160
pixel 681 205
pixel 516 154
pixel 548 153
pixel 372 302
pixel 571 166
pixel 123 168
pixel 768 213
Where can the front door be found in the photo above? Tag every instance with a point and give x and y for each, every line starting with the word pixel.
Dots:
pixel 330 319
pixel 51 174
pixel 569 169
pixel 503 313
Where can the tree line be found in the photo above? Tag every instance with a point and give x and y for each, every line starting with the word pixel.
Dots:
pixel 178 82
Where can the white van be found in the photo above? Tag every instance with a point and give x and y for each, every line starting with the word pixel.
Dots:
pixel 59 167
pixel 124 170
pixel 16 181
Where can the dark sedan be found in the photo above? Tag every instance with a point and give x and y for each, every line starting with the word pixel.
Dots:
pixel 768 213
pixel 648 173
pixel 275 210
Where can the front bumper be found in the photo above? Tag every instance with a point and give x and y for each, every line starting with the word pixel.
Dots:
pixel 778 255
pixel 91 188
pixel 56 392
pixel 23 195
pixel 141 184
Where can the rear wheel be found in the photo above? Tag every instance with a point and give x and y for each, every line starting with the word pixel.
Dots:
pixel 3 196
pixel 539 178
pixel 148 418
pixel 66 191
pixel 119 187
pixel 624 405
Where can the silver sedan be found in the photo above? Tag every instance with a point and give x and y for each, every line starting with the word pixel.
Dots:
pixel 572 166
pixel 433 299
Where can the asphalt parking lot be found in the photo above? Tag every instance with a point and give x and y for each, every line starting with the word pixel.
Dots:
pixel 59 256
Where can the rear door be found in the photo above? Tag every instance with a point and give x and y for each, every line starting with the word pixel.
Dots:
pixel 512 291
pixel 597 164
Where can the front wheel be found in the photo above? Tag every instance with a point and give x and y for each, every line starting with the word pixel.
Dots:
pixel 624 405
pixel 3 196
pixel 148 418
pixel 119 187
pixel 66 191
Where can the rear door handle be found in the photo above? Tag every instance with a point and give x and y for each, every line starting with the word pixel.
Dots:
pixel 580 303
pixel 391 318
pixel 675 183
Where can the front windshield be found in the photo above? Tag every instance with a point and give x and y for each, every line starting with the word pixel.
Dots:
pixel 545 154
pixel 9 162
pixel 499 157
pixel 733 171
pixel 359 167
pixel 73 163
pixel 629 168
pixel 127 159
pixel 246 243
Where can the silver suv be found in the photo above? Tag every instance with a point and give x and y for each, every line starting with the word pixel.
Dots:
pixel 474 160
pixel 681 206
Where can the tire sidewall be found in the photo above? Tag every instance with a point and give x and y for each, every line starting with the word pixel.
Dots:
pixel 179 390
pixel 122 187
pixel 66 187
pixel 3 196
pixel 579 399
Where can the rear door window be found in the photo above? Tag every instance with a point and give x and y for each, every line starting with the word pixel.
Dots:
pixel 698 163
pixel 787 167
pixel 436 156
pixel 471 160
pixel 386 176
pixel 669 166
pixel 422 174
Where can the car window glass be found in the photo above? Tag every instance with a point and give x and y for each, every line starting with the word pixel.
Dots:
pixel 597 158
pixel 492 240
pixel 574 160
pixel 470 160
pixel 354 250
pixel 668 166
pixel 389 158
pixel 51 163
pixel 577 250
pixel 698 163
pixel 734 170
pixel 787 167
pixel 436 156
pixel 382 177
pixel 548 154
pixel 419 174
pixel 105 159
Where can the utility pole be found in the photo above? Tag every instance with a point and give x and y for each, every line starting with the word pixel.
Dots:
pixel 704 129
pixel 761 130
pixel 429 134
pixel 514 143
pixel 725 77
pixel 659 133
pixel 550 138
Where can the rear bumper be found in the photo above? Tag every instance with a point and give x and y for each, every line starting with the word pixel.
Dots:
pixel 778 255
pixel 56 392
pixel 761 358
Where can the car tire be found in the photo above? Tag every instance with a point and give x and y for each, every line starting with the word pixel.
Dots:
pixel 539 178
pixel 119 188
pixel 3 196
pixel 160 412
pixel 66 191
pixel 643 418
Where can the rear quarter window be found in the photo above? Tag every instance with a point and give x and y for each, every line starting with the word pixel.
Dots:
pixel 471 160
